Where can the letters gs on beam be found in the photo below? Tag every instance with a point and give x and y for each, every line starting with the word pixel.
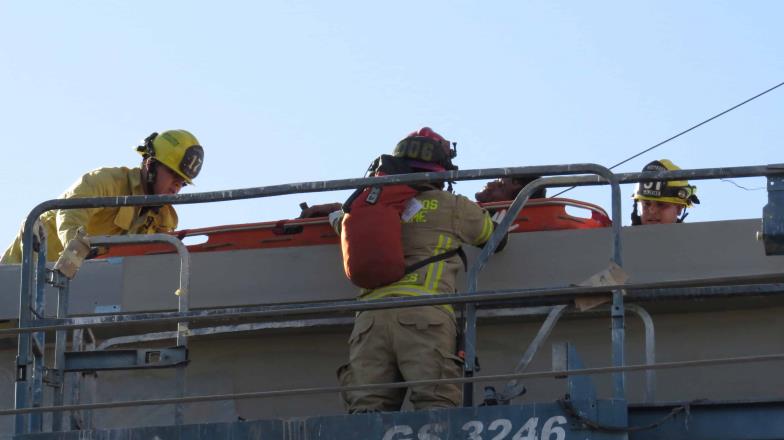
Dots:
pixel 539 421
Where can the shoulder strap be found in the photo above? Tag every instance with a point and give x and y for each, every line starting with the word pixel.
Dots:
pixel 448 254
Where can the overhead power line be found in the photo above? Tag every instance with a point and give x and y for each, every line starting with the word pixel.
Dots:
pixel 757 188
pixel 718 115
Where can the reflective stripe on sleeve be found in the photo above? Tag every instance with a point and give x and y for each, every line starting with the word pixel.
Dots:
pixel 487 230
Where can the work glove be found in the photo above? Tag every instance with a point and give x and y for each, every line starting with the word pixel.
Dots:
pixel 318 210
pixel 498 216
pixel 72 257
pixel 335 219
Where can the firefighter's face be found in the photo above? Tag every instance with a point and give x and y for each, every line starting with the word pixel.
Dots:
pixel 659 212
pixel 167 181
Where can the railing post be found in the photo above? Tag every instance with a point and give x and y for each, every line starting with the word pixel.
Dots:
pixel 617 312
pixel 182 298
pixel 22 389
pixel 650 349
pixel 39 338
pixel 61 340
pixel 773 217
pixel 501 230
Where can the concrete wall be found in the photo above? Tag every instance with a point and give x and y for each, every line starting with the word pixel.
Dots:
pixel 293 358
pixel 537 259
pixel 308 358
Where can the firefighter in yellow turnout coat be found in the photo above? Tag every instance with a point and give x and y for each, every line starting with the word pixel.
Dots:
pixel 171 160
pixel 420 342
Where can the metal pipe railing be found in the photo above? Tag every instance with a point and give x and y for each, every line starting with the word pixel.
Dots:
pixel 28 269
pixel 499 310
pixel 617 315
pixel 320 186
pixel 33 389
pixel 334 185
pixel 513 388
pixel 650 349
pixel 182 252
pixel 389 385
pixel 61 339
pixel 531 297
pixel 183 295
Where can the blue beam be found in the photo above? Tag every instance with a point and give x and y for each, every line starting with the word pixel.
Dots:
pixel 711 421
pixel 541 421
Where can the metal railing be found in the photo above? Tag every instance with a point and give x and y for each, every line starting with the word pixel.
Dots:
pixel 268 394
pixel 183 295
pixel 32 322
pixel 617 315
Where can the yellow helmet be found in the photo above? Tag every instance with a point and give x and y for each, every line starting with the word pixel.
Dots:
pixel 678 192
pixel 179 150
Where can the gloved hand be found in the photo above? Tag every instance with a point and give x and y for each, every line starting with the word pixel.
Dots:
pixel 76 250
pixel 498 217
pixel 319 210
pixel 335 219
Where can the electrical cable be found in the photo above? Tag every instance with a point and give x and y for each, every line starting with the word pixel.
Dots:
pixel 593 425
pixel 687 130
pixel 756 188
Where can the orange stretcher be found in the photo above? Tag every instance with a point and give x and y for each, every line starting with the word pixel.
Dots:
pixel 537 215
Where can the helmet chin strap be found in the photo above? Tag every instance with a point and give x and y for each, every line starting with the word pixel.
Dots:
pixel 151 165
pixel 149 184
pixel 152 176
pixel 636 220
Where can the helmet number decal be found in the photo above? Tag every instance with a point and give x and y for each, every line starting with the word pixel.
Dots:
pixel 415 149
pixel 192 161
pixel 653 189
pixel 426 151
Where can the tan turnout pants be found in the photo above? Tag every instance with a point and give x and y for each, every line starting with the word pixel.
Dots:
pixel 402 344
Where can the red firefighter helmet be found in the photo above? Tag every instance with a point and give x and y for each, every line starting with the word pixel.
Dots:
pixel 428 150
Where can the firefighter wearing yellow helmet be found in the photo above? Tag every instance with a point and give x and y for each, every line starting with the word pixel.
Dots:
pixel 660 202
pixel 171 160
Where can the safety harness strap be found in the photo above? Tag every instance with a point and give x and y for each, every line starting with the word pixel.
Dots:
pixel 448 254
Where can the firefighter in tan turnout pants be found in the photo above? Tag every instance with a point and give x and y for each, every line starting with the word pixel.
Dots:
pixel 420 342
pixel 170 161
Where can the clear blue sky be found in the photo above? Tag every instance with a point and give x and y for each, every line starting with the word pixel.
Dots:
pixel 289 91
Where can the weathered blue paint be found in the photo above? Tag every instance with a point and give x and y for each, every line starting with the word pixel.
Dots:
pixel 702 421
pixel 711 421
pixel 127 359
pixel 255 430
pixel 580 387
pixel 541 421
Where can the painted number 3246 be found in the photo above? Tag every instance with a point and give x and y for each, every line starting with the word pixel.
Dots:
pixel 498 429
